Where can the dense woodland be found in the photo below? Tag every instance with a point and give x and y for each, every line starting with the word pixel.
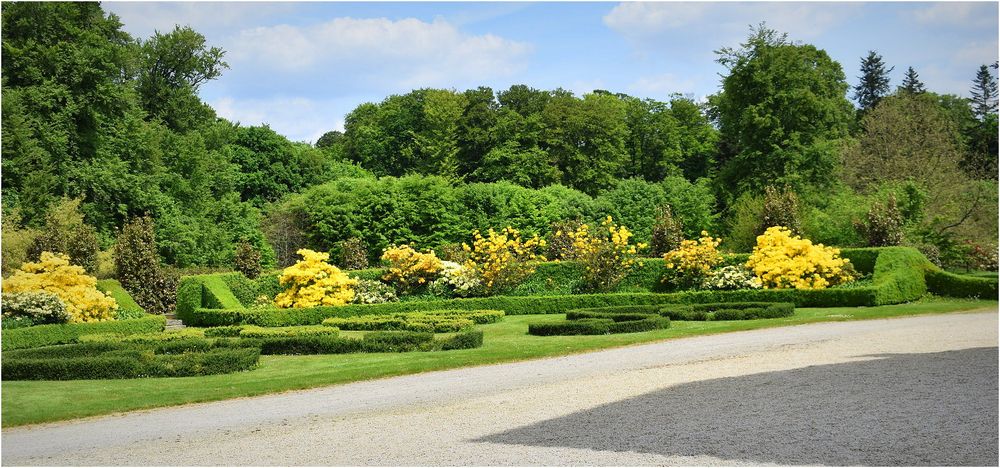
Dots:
pixel 101 129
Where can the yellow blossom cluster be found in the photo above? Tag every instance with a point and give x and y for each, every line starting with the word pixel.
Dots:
pixel 501 260
pixel 605 255
pixel 70 283
pixel 692 261
pixel 781 260
pixel 313 282
pixel 409 269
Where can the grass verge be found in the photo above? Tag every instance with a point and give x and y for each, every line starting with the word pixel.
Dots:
pixel 30 402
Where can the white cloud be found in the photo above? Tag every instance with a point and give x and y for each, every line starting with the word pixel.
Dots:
pixel 408 53
pixel 650 20
pixel 958 14
pixel 298 118
pixel 141 19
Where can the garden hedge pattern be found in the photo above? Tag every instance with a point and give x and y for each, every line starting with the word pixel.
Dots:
pixel 45 335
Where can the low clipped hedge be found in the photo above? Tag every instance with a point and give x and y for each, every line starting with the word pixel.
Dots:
pixel 149 338
pixel 595 323
pixel 251 331
pixel 46 335
pixel 375 342
pixel 417 322
pixel 950 284
pixel 127 307
pixel 109 360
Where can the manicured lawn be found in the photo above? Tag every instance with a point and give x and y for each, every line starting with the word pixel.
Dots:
pixel 27 402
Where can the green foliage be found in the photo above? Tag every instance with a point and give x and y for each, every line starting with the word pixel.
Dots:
pixel 874 81
pixel 885 224
pixel 247 259
pixel 129 363
pixel 949 284
pixel 138 267
pixel 433 323
pixel 667 232
pixel 66 232
pixel 780 209
pixel 45 335
pixel 376 342
pixel 780 113
pixel 37 307
pixel 127 307
pixel 353 254
pixel 307 330
pixel 603 321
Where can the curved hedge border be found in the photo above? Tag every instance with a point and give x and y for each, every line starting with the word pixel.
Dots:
pixel 899 274
pixel 627 319
pixel 375 342
pixel 126 361
pixel 45 335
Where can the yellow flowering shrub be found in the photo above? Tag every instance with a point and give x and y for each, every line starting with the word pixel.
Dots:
pixel 605 255
pixel 501 260
pixel 313 282
pixel 54 274
pixel 689 264
pixel 782 260
pixel 409 269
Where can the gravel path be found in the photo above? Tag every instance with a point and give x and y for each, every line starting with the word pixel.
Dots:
pixel 908 391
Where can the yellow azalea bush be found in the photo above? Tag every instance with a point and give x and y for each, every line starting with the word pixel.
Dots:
pixel 782 260
pixel 605 255
pixel 501 260
pixel 313 282
pixel 409 269
pixel 54 274
pixel 690 263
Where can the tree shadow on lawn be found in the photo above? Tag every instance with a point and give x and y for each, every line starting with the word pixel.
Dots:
pixel 897 409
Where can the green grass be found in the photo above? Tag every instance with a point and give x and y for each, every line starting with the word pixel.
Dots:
pixel 29 402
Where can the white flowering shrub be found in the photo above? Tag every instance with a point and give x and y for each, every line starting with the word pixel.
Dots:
pixel 456 280
pixel 732 277
pixel 374 292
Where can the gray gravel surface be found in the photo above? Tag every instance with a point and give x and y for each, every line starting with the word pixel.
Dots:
pixel 908 391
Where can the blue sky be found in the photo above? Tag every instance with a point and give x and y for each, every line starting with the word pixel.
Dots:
pixel 300 67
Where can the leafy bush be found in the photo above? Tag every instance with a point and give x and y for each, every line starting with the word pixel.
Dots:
pixel 45 335
pixel 373 292
pixel 247 259
pixel 17 240
pixel 353 254
pixel 502 260
pixel 692 262
pixel 312 282
pixel 66 232
pixel 780 209
pixel 606 256
pixel 456 280
pixel 55 275
pixel 138 267
pixel 884 226
pixel 781 260
pixel 668 233
pixel 560 243
pixel 37 307
pixel 409 269
pixel 731 277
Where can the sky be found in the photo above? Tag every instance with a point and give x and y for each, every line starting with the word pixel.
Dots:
pixel 301 67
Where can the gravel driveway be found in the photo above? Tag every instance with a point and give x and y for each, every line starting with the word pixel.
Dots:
pixel 908 391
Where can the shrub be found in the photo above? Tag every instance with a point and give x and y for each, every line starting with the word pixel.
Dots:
pixel 37 307
pixel 452 252
pixel 456 280
pixel 409 269
pixel 138 267
pixel 375 342
pixel 780 209
pixel 353 254
pixel 781 260
pixel 66 232
pixel 373 292
pixel 502 260
pixel 950 284
pixel 731 277
pixel 560 244
pixel 434 323
pixel 246 259
pixel 224 332
pixel 667 232
pixel 45 335
pixel 55 275
pixel 17 240
pixel 692 262
pixel 600 323
pixel 606 256
pixel 312 282
pixel 304 330
pixel 127 365
pixel 181 334
pixel 127 307
pixel 884 226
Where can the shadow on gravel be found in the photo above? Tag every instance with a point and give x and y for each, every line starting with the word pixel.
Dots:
pixel 897 409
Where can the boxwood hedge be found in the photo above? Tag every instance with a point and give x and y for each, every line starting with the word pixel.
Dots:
pixel 45 335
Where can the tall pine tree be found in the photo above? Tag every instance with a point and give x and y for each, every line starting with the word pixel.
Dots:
pixel 984 93
pixel 912 83
pixel 874 82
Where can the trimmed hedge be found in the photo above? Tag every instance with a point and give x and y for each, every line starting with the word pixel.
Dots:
pixel 304 330
pixel 168 335
pixel 601 326
pixel 417 322
pixel 950 284
pixel 376 342
pixel 127 307
pixel 45 335
pixel 128 364
pixel 638 318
